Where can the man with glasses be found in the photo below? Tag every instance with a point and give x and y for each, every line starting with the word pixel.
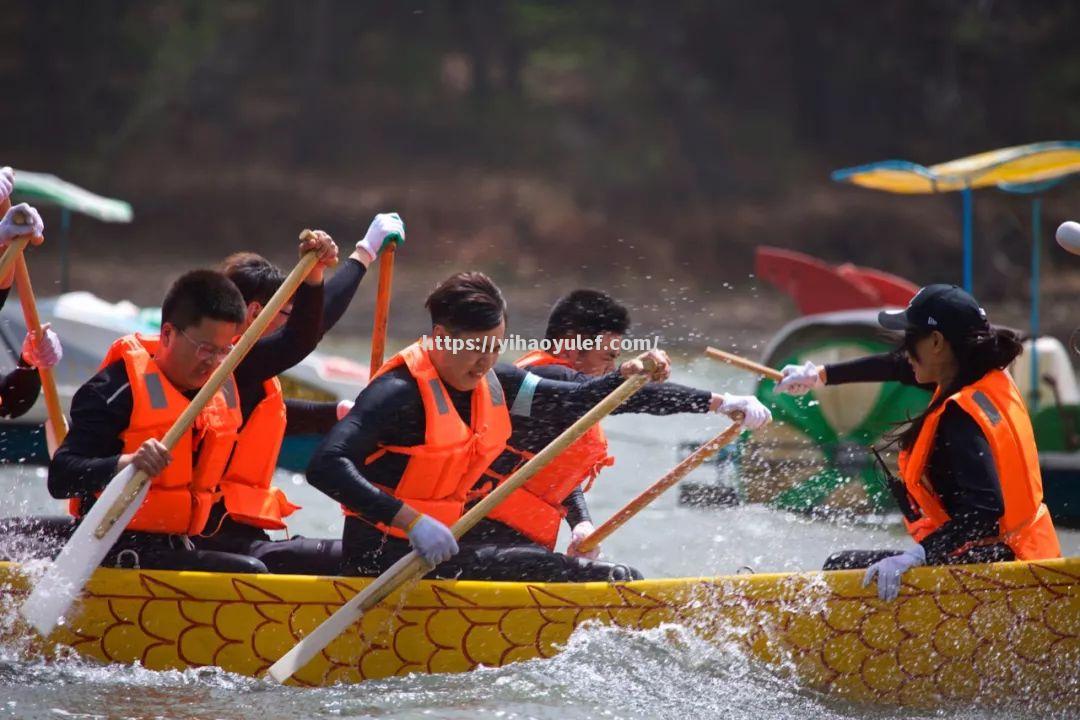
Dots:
pixel 118 417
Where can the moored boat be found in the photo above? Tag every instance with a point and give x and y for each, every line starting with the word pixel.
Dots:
pixel 975 633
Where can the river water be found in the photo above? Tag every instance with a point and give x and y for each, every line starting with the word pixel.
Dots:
pixel 603 673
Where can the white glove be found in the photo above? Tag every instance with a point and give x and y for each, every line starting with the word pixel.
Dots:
pixel 7 182
pixel 343 408
pixel 45 353
pixel 386 227
pixel 799 379
pixel 9 229
pixel 577 536
pixel 432 540
pixel 754 414
pixel 889 570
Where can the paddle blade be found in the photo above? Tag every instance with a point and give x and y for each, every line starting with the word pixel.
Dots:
pixel 302 652
pixel 55 592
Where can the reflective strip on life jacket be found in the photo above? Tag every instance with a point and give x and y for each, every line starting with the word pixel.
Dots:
pixel 996 405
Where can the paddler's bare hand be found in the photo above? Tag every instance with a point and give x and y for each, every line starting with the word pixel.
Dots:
pixel 661 366
pixel 327 249
pixel 152 458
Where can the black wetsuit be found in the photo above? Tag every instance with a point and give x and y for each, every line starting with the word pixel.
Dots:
pixel 271 356
pixel 960 467
pixel 533 434
pixel 19 388
pixel 390 412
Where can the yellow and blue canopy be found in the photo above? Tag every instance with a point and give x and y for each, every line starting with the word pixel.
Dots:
pixel 1029 169
pixel 1004 168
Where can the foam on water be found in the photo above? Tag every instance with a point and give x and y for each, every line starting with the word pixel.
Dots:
pixel 667 672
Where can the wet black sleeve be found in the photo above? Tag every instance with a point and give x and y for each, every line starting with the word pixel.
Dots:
pixel 275 353
pixel 334 465
pixel 577 510
pixel 100 411
pixel 653 399
pixel 340 289
pixel 874 368
pixel 962 471
pixel 19 390
pixel 552 400
pixel 307 417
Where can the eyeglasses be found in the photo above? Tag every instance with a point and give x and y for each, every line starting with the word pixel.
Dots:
pixel 206 351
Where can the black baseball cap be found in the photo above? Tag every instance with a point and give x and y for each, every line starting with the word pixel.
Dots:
pixel 946 308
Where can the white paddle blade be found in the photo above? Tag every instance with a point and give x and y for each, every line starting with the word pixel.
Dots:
pixel 55 592
pixel 302 652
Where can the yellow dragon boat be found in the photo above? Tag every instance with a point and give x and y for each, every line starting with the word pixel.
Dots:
pixel 959 634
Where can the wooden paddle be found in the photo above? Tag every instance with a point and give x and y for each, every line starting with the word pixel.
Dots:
pixel 382 307
pixel 676 474
pixel 412 565
pixel 57 423
pixel 741 362
pixel 54 593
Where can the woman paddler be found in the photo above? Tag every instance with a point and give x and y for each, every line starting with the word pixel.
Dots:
pixel 970 486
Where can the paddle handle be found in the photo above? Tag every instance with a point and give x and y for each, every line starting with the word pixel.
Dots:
pixel 12 253
pixel 412 565
pixel 741 362
pixel 382 307
pixel 187 418
pixel 33 324
pixel 676 474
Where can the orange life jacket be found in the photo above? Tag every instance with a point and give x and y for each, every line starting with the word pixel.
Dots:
pixel 441 471
pixel 180 498
pixel 536 510
pixel 996 405
pixel 246 485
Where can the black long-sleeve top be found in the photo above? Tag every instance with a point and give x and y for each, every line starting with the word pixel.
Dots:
pixel 960 467
pixel 19 388
pixel 288 346
pixel 534 434
pixel 280 350
pixel 390 411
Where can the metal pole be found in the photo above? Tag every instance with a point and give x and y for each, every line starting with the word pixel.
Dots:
pixel 969 240
pixel 1036 241
pixel 65 230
